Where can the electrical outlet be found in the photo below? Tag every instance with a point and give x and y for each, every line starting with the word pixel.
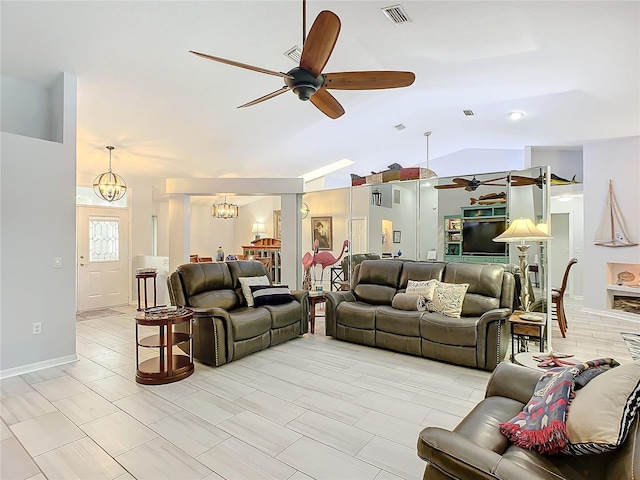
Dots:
pixel 57 262
pixel 37 328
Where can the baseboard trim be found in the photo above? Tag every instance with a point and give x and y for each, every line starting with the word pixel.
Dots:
pixel 620 315
pixel 32 367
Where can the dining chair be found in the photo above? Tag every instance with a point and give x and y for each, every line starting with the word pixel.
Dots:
pixel 557 299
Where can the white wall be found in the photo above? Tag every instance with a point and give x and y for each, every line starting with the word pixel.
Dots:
pixel 37 226
pixel 32 110
pixel 615 159
pixel 564 163
pixel 482 160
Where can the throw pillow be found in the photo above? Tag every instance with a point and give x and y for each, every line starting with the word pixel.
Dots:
pixel 409 301
pixel 246 282
pixel 602 412
pixel 271 294
pixel 425 288
pixel 448 298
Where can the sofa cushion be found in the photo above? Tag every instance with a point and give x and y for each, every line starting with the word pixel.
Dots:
pixel 284 314
pixel 447 298
pixel 246 283
pixel 225 299
pixel 602 412
pixel 439 328
pixel 401 322
pixel 270 294
pixel 376 282
pixel 249 322
pixel 421 271
pixel 197 278
pixel 356 315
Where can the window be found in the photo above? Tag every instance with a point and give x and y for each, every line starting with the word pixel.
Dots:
pixel 104 239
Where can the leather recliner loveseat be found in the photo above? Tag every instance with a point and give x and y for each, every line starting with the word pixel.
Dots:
pixel 225 327
pixel 476 450
pixel 477 339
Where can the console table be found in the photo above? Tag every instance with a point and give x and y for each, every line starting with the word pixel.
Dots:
pixel 166 367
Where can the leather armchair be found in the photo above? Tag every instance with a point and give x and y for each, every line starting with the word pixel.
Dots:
pixel 476 449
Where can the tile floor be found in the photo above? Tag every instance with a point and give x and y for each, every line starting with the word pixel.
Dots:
pixel 313 407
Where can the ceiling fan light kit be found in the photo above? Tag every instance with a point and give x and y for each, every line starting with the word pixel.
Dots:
pixel 307 80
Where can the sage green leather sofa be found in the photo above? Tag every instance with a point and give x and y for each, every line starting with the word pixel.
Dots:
pixel 225 327
pixel 478 339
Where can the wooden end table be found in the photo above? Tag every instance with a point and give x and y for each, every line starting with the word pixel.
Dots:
pixel 142 278
pixel 525 329
pixel 315 298
pixel 166 367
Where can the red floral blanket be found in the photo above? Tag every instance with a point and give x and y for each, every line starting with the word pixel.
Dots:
pixel 541 426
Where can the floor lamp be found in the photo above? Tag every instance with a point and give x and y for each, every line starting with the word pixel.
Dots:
pixel 519 232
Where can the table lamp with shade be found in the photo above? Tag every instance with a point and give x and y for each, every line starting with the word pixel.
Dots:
pixel 257 229
pixel 520 231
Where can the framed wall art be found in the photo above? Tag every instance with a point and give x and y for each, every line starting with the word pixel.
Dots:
pixel 277 224
pixel 322 231
pixel 396 236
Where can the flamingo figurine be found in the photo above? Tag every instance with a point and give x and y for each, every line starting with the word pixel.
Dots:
pixel 324 258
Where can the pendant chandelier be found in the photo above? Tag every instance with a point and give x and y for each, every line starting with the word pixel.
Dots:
pixel 224 210
pixel 429 173
pixel 110 186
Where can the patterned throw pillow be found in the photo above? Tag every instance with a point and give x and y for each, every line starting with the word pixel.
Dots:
pixel 271 294
pixel 246 282
pixel 448 298
pixel 602 412
pixel 425 288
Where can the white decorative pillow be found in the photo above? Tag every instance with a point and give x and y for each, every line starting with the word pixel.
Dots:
pixel 425 288
pixel 448 298
pixel 601 414
pixel 246 282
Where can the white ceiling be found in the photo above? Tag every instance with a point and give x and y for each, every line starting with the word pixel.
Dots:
pixel 573 67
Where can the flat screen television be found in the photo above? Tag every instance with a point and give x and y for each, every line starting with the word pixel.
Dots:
pixel 478 235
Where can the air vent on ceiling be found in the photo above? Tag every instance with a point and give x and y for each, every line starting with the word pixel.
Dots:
pixel 468 113
pixel 399 127
pixel 294 53
pixel 396 14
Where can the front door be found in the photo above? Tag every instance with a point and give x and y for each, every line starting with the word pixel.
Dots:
pixel 103 257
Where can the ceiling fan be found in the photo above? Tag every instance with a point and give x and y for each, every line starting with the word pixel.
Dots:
pixel 471 185
pixel 307 80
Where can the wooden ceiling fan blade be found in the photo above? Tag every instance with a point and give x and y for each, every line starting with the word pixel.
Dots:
pixel 486 182
pixel 450 185
pixel 523 180
pixel 461 181
pixel 370 80
pixel 327 104
pixel 266 97
pixel 241 65
pixel 320 42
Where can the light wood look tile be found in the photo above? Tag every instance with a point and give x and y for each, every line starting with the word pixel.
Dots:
pixel 311 408
pixel 80 459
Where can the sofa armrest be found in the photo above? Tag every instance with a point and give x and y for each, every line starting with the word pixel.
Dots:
pixel 494 315
pixel 513 381
pixel 202 314
pixel 333 300
pixel 302 296
pixel 458 457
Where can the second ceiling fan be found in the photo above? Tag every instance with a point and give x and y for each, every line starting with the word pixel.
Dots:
pixel 307 80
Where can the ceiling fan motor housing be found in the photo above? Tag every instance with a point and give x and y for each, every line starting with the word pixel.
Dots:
pixel 303 83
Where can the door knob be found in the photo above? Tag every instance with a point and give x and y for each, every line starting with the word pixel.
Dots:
pixel 82 264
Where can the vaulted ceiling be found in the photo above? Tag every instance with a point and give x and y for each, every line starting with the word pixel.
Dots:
pixel 572 67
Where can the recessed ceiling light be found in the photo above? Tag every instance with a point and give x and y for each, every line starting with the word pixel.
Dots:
pixel 399 127
pixel 516 115
pixel 468 113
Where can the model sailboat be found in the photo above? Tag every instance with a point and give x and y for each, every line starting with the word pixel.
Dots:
pixel 613 231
